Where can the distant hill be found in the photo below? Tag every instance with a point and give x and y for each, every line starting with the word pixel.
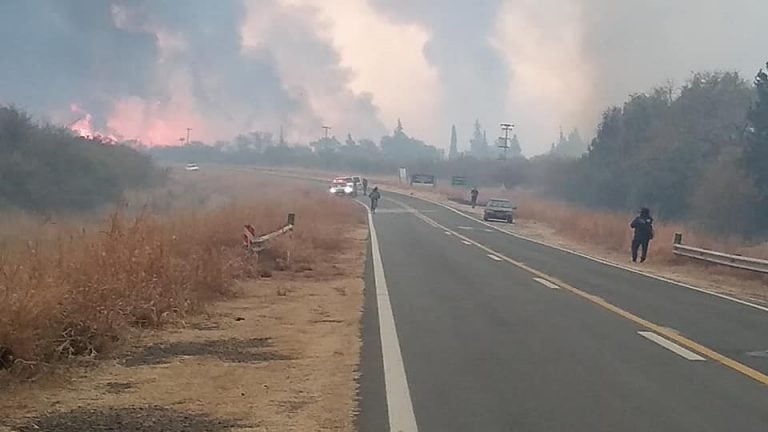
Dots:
pixel 45 168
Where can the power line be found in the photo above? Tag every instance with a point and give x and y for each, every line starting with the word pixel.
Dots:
pixel 506 127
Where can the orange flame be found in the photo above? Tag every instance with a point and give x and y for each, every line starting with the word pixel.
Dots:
pixel 83 127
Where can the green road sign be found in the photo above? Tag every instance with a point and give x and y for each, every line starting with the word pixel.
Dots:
pixel 459 181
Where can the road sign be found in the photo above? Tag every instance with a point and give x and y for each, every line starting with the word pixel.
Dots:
pixel 403 175
pixel 459 181
pixel 423 179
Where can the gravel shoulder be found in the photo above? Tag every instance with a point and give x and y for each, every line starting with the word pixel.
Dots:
pixel 281 356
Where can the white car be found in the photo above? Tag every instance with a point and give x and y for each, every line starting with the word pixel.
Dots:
pixel 344 186
pixel 192 167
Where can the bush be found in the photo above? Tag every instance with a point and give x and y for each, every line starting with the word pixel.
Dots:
pixel 45 169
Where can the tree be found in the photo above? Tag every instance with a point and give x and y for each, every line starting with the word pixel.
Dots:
pixel 570 146
pixel 350 142
pixel 326 144
pixel 369 146
pixel 756 154
pixel 402 148
pixel 515 151
pixel 453 153
pixel 478 145
pixel 45 168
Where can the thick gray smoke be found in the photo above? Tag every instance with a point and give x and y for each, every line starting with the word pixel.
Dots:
pixel 473 81
pixel 147 69
pixel 56 53
pixel 549 63
pixel 634 45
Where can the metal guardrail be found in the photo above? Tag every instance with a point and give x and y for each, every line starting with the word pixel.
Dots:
pixel 257 244
pixel 720 258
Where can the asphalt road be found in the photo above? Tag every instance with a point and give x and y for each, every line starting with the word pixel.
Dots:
pixel 467 328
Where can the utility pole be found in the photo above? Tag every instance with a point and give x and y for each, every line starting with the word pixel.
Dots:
pixel 326 129
pixel 506 127
pixel 188 131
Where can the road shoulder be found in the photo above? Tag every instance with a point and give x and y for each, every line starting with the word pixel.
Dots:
pixel 282 356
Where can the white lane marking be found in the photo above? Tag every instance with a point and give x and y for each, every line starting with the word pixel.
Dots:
pixel 488 230
pixel 466 242
pixel 448 233
pixel 675 348
pixel 465 228
pixel 546 283
pixel 494 257
pixel 599 260
pixel 399 405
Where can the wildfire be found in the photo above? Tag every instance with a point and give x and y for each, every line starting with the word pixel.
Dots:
pixel 83 126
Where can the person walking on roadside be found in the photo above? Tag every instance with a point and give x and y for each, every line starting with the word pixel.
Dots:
pixel 473 196
pixel 365 186
pixel 643 226
pixel 374 196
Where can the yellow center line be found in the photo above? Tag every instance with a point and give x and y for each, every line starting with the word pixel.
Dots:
pixel 669 334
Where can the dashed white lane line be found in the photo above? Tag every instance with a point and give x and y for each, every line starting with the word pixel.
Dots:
pixel 494 257
pixel 468 228
pixel 448 233
pixel 675 348
pixel 399 405
pixel 546 283
pixel 466 242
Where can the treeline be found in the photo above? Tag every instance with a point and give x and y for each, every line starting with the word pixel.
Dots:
pixel 46 168
pixel 262 148
pixel 698 153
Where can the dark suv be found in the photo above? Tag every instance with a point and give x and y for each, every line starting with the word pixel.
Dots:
pixel 499 209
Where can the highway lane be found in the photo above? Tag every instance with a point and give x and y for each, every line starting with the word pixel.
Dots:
pixel 487 347
pixel 732 329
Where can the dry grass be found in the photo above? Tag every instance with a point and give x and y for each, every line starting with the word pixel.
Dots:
pixel 611 229
pixel 71 290
pixel 608 234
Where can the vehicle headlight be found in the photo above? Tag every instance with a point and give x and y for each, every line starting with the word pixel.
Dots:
pixel 348 189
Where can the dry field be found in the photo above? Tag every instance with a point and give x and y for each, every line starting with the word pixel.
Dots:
pixel 157 319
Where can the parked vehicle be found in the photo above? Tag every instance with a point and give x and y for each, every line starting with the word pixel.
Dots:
pixel 499 209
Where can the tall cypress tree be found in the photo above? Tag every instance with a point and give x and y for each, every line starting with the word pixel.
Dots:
pixel 479 142
pixel 453 152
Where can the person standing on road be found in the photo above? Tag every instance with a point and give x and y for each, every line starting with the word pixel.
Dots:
pixel 374 196
pixel 365 186
pixel 473 196
pixel 643 226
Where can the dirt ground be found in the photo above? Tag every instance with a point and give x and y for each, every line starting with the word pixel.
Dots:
pixel 283 356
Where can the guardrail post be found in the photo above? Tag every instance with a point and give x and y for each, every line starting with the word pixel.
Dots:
pixel 678 238
pixel 291 222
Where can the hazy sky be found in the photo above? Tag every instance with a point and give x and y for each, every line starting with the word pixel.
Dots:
pixel 148 69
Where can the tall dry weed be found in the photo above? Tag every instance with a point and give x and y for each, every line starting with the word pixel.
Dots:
pixel 68 290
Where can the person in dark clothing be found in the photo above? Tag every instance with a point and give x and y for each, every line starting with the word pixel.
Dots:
pixel 374 196
pixel 473 196
pixel 365 186
pixel 643 226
